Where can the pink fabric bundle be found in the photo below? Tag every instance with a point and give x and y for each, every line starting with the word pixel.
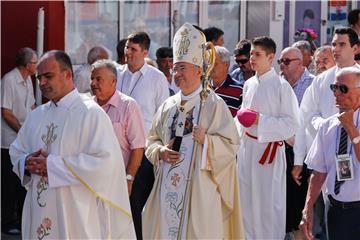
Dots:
pixel 246 117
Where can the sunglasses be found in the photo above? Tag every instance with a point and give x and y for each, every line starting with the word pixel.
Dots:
pixel 341 87
pixel 241 61
pixel 286 61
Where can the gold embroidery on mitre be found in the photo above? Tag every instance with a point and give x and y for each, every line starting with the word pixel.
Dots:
pixel 183 44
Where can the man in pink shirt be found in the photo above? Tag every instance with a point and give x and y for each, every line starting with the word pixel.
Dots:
pixel 124 113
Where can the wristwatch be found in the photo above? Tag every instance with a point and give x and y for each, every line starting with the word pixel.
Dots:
pixel 356 140
pixel 132 178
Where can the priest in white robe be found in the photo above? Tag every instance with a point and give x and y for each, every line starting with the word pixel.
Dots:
pixel 179 140
pixel 268 116
pixel 67 156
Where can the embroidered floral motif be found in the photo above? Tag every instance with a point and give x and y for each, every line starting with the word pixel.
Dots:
pixel 44 228
pixel 40 187
pixel 50 136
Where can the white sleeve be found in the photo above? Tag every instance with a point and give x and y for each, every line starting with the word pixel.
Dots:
pixel 310 107
pixel 277 128
pixel 300 146
pixel 163 91
pixel 316 158
pixel 58 174
pixel 204 165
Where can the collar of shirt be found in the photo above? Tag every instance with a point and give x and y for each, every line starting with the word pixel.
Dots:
pixel 191 95
pixel 142 70
pixel 67 100
pixel 302 78
pixel 20 77
pixel 268 75
pixel 224 83
pixel 113 101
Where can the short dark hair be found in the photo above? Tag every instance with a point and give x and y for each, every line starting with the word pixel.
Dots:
pixel 164 52
pixel 120 48
pixel 24 56
pixel 267 43
pixel 140 38
pixel 62 58
pixel 243 48
pixel 353 16
pixel 213 33
pixel 353 37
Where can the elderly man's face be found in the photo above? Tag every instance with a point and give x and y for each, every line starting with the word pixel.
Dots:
pixel 103 83
pixel 350 99
pixel 290 63
pixel 323 61
pixel 31 66
pixel 54 82
pixel 187 77
pixel 220 69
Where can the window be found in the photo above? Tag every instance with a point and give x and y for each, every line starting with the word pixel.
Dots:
pixel 89 24
pixel 226 16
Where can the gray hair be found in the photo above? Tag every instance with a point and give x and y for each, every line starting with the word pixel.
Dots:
pixel 223 53
pixel 24 56
pixel 295 50
pixel 350 70
pixel 106 63
pixel 96 53
pixel 302 44
pixel 325 48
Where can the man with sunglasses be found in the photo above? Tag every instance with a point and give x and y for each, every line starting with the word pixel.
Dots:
pixel 242 55
pixel 292 69
pixel 17 100
pixel 318 102
pixel 336 144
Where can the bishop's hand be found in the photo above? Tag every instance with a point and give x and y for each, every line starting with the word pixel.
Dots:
pixel 168 155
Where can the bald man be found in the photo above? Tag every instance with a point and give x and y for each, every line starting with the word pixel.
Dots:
pixel 292 69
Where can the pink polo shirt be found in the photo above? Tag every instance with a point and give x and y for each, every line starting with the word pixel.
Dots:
pixel 127 121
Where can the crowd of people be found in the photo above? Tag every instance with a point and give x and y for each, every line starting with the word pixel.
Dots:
pixel 187 146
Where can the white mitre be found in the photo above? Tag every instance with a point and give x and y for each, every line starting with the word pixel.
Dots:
pixel 188 45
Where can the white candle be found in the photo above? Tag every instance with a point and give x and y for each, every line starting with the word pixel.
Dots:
pixel 40 49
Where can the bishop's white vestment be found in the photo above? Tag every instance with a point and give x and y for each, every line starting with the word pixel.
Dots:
pixel 261 157
pixel 212 209
pixel 84 195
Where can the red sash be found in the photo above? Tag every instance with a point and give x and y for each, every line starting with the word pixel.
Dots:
pixel 267 150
